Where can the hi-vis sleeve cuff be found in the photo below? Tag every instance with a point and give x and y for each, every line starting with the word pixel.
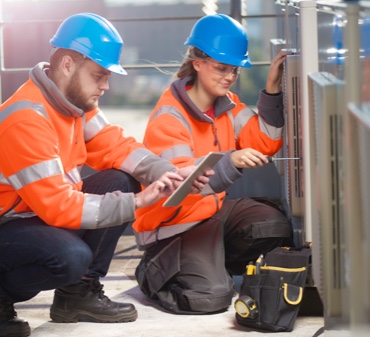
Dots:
pixel 110 209
pixel 270 131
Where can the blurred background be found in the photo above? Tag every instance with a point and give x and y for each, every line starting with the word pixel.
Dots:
pixel 153 32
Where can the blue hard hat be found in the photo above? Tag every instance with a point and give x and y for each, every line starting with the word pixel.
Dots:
pixel 92 36
pixel 222 38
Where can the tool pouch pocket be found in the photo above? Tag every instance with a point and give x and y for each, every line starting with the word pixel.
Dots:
pixel 277 290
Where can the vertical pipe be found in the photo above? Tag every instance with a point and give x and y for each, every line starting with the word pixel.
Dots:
pixel 236 9
pixel 309 63
pixel 352 216
pixel 236 13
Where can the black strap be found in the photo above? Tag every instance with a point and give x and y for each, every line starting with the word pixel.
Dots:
pixel 319 332
pixel 299 247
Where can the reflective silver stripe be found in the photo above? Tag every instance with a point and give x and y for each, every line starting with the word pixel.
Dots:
pixel 95 125
pixel 245 115
pixel 242 119
pixel 83 121
pixel 37 107
pixel 134 159
pixel 170 110
pixel 36 172
pixel 73 176
pixel 145 238
pixel 3 180
pixel 182 150
pixel 14 215
pixel 271 131
pixel 231 117
pixel 90 212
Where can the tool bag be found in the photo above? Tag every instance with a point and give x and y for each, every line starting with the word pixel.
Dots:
pixel 272 290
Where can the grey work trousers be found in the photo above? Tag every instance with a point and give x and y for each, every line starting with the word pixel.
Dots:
pixel 191 273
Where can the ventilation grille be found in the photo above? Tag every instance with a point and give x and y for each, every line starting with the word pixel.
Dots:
pixel 292 146
pixel 327 229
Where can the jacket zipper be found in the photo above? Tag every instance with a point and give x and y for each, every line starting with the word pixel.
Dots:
pixel 74 130
pixel 214 131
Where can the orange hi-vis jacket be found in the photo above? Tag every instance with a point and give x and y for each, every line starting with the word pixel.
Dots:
pixel 179 132
pixel 45 141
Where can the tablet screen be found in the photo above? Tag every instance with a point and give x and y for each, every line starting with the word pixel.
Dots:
pixel 184 189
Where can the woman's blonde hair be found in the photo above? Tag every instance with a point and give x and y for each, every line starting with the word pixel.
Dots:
pixel 187 68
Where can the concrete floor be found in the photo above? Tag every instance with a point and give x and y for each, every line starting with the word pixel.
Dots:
pixel 120 285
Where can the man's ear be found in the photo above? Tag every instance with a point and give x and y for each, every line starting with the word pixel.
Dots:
pixel 67 65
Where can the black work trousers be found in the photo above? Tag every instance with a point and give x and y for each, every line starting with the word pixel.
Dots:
pixel 191 273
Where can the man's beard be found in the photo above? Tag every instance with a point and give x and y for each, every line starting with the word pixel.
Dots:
pixel 75 95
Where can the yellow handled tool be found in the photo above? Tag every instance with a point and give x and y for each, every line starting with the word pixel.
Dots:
pixel 250 268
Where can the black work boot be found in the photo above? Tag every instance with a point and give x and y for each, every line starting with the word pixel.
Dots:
pixel 87 302
pixel 10 324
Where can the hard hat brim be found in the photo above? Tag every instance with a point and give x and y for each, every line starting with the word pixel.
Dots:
pixel 117 69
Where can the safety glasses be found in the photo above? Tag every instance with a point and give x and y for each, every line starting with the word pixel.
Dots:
pixel 223 69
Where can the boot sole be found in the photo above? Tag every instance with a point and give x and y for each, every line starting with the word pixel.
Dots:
pixel 21 332
pixel 84 316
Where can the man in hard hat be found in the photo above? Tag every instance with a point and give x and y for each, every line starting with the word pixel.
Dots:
pixel 206 239
pixel 58 230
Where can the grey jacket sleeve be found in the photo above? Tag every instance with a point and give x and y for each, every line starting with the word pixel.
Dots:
pixel 116 208
pixel 271 109
pixel 225 174
pixel 151 168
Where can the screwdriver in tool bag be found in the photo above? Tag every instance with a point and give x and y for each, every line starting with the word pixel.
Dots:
pixel 272 159
pixel 260 262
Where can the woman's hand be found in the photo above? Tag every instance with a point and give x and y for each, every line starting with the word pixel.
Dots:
pixel 198 183
pixel 248 158
pixel 275 75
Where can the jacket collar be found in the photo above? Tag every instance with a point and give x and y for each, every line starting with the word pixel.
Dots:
pixel 52 93
pixel 222 104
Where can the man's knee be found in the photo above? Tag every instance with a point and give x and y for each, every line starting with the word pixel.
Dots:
pixel 124 182
pixel 109 181
pixel 72 262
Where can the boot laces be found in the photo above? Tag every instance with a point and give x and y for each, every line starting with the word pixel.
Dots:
pixel 95 287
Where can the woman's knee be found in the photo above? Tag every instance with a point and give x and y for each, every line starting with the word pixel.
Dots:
pixel 217 298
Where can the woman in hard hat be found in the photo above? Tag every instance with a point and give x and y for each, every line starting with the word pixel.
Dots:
pixel 191 250
pixel 57 229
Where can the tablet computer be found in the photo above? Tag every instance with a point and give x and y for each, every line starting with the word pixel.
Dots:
pixel 184 189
